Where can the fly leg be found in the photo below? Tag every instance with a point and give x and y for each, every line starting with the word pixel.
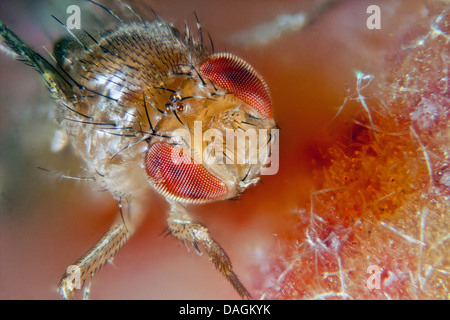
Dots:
pixel 56 82
pixel 182 227
pixel 103 251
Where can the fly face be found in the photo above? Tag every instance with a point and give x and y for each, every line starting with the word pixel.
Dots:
pixel 224 98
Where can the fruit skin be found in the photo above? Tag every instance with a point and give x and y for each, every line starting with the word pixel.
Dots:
pixel 381 198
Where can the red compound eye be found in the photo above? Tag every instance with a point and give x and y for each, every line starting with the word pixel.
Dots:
pixel 179 177
pixel 233 74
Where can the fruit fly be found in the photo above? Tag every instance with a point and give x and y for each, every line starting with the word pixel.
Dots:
pixel 123 97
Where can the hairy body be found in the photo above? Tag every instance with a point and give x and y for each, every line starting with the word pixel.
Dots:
pixel 122 95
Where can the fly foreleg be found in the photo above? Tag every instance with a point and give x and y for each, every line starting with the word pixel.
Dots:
pixel 182 227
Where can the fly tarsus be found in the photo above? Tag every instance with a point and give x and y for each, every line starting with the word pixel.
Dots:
pixel 182 227
pixel 12 44
pixel 85 268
